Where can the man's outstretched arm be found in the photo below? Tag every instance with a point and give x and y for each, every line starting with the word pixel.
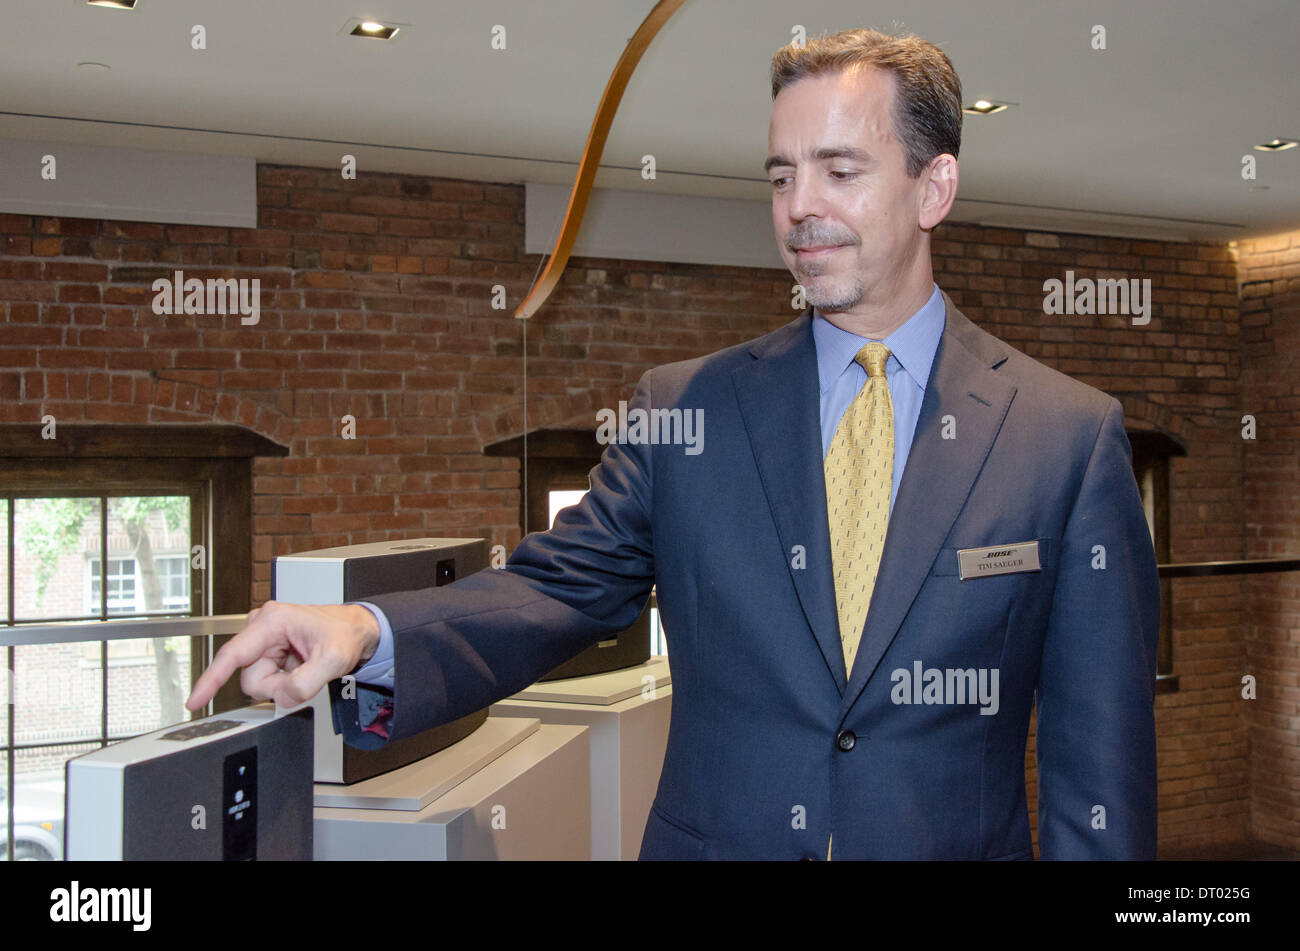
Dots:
pixel 463 646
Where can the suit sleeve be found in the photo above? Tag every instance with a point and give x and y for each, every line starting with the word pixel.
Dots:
pixel 1096 741
pixel 463 646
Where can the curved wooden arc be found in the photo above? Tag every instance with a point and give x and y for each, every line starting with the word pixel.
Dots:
pixel 591 155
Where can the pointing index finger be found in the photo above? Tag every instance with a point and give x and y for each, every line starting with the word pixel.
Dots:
pixel 252 642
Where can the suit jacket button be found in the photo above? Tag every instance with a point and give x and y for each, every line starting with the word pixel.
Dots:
pixel 846 740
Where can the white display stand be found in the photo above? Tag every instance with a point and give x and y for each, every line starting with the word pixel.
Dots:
pixel 412 787
pixel 627 712
pixel 513 789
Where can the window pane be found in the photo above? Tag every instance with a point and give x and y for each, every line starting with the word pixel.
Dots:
pixel 121 586
pixel 38 800
pixel 57 695
pixel 562 498
pixel 149 551
pixel 174 570
pixel 53 541
pixel 6 695
pixel 147 685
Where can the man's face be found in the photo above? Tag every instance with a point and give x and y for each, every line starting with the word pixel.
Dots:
pixel 846 213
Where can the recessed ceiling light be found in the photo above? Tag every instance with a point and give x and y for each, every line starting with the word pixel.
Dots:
pixel 985 107
pixel 373 29
pixel 112 4
pixel 1276 145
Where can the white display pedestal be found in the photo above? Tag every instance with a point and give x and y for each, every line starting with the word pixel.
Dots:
pixel 512 789
pixel 627 715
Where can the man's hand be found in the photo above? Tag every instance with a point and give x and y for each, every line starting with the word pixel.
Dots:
pixel 290 651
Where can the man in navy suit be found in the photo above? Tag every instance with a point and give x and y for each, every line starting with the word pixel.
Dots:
pixel 1017 571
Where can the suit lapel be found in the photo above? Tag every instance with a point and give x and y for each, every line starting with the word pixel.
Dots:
pixel 937 480
pixel 779 399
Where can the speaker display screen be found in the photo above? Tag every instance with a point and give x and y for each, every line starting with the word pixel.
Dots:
pixel 239 806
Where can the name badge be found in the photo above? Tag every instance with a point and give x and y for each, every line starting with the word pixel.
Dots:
pixel 998 560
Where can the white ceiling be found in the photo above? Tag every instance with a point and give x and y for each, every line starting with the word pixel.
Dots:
pixel 1144 138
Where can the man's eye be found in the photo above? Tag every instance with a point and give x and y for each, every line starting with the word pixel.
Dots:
pixel 777 182
pixel 844 176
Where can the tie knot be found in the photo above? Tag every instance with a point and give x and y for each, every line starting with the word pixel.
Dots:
pixel 873 358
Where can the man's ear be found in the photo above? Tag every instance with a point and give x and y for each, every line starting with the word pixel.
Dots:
pixel 938 192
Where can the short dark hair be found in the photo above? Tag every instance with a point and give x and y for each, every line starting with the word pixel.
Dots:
pixel 927 101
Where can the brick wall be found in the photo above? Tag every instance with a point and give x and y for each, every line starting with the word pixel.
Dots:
pixel 1269 272
pixel 375 299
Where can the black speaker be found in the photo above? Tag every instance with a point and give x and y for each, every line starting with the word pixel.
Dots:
pixel 629 648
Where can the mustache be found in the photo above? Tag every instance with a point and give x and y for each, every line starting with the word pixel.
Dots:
pixel 797 240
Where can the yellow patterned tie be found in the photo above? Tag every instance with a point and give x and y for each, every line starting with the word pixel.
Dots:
pixel 859 471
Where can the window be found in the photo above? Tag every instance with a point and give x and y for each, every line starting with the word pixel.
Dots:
pixel 174 575
pixel 125 585
pixel 121 585
pixel 100 524
pixel 1152 451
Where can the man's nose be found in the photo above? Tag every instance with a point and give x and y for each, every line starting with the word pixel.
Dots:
pixel 806 198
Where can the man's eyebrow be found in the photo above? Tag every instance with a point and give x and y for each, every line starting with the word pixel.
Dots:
pixel 821 154
pixel 841 151
pixel 774 160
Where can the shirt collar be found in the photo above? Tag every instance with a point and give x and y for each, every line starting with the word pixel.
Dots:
pixel 913 344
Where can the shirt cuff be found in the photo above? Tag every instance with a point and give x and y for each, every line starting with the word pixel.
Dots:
pixel 380 669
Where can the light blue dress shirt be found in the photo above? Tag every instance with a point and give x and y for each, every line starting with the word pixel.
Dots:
pixel 912 348
pixel 911 354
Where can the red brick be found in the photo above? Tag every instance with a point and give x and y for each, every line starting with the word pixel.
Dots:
pixel 117 413
pixel 458 191
pixel 66 271
pixel 66 357
pixel 20 270
pixel 361 224
pixel 196 234
pixel 80 293
pixel 298 505
pixel 252 379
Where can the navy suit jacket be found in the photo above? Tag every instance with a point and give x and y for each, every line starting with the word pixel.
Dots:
pixel 773 746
